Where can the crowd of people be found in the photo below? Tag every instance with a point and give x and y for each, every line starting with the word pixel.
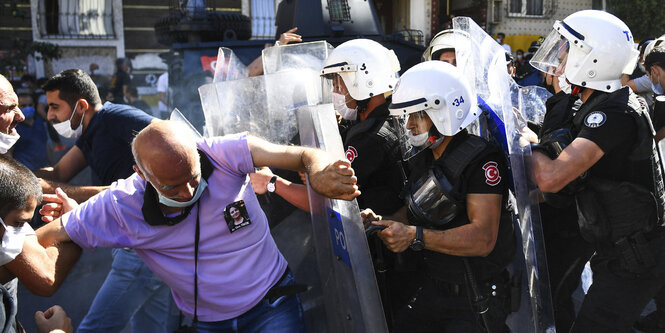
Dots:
pixel 187 229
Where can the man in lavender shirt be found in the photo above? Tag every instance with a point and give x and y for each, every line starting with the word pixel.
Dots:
pixel 177 193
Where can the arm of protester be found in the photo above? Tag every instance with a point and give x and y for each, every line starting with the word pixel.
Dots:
pixel 56 205
pixel 578 157
pixel 53 320
pixel 78 193
pixel 334 179
pixel 42 270
pixel 470 240
pixel 68 166
pixel 295 194
pixel 52 233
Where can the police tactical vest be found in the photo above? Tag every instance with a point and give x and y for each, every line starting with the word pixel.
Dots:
pixel 453 163
pixel 616 215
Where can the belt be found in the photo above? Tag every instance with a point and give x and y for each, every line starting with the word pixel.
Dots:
pixel 278 291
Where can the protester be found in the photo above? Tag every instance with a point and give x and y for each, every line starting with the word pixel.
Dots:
pixel 10 115
pixel 170 213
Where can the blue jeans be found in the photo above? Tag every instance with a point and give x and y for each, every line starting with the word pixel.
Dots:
pixel 275 315
pixel 130 292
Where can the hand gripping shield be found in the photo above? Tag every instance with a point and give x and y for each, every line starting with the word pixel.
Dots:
pixel 484 61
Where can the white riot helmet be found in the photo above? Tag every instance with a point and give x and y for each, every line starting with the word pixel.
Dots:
pixel 366 67
pixel 593 48
pixel 439 90
pixel 444 40
pixel 658 43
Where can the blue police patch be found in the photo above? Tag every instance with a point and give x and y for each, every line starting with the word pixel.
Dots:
pixel 595 119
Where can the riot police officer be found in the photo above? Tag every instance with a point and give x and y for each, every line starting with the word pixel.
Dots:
pixel 457 217
pixel 363 73
pixel 603 155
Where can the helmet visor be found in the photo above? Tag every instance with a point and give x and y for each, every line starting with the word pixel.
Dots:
pixel 552 55
pixel 413 130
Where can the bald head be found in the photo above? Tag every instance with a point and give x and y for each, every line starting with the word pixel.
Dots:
pixel 165 147
pixel 10 114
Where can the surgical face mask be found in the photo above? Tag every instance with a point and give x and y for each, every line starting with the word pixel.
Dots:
pixel 179 204
pixel 564 85
pixel 12 242
pixel 7 141
pixel 65 128
pixel 339 103
pixel 417 140
pixel 657 88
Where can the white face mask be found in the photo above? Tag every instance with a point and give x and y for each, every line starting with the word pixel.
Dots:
pixel 65 128
pixel 7 141
pixel 179 204
pixel 12 242
pixel 417 140
pixel 339 103
pixel 563 84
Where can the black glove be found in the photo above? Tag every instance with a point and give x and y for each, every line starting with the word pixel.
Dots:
pixel 558 114
pixel 553 143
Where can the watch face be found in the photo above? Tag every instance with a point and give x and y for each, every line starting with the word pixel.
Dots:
pixel 271 187
pixel 417 245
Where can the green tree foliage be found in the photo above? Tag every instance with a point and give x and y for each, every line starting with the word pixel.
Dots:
pixel 21 49
pixel 645 18
pixel 16 56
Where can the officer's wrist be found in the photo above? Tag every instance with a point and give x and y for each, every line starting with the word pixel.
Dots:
pixel 412 233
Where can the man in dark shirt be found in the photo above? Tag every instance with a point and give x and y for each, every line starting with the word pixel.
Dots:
pixel 120 80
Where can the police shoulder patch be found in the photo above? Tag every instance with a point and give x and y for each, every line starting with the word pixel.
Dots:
pixel 492 177
pixel 595 119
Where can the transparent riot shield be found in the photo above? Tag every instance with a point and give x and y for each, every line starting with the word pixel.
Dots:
pixel 263 105
pixel 178 116
pixel 352 300
pixel 484 60
pixel 310 55
pixel 228 67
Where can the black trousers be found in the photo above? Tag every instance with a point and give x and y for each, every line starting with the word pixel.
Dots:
pixel 437 307
pixel 617 297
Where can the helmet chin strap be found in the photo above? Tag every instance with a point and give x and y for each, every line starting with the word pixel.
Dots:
pixel 435 138
pixel 576 90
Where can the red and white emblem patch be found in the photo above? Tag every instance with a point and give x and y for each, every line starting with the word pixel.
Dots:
pixel 492 177
pixel 351 154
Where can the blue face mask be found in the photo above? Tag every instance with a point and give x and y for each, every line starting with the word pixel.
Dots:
pixel 657 89
pixel 179 204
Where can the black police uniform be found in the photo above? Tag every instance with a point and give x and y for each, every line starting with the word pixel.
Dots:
pixel 372 147
pixel 443 303
pixel 619 205
pixel 567 252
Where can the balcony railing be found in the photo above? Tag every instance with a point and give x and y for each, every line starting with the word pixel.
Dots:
pixel 76 19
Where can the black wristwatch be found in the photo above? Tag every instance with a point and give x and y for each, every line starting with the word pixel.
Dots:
pixel 418 243
pixel 271 184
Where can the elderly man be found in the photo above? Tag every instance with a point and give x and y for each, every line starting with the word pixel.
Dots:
pixel 10 115
pixel 174 212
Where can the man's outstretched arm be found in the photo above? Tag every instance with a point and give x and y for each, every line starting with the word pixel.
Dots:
pixel 334 179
